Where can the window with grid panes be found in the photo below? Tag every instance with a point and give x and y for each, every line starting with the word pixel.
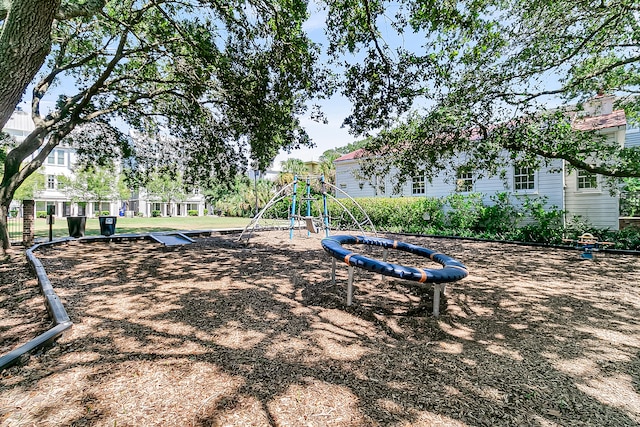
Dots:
pixel 587 180
pixel 418 185
pixel 464 181
pixel 524 179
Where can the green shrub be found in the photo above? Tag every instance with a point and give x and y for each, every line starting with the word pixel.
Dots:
pixel 576 226
pixel 206 212
pixel 192 212
pixel 41 214
pixel 401 214
pixel 499 219
pixel 627 238
pixel 281 209
pixel 630 197
pixel 462 212
pixel 155 213
pixel 105 213
pixel 344 214
pixel 464 216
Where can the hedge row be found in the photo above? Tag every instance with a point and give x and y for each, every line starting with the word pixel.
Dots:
pixel 467 216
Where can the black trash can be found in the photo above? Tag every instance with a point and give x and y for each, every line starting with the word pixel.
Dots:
pixel 76 225
pixel 107 225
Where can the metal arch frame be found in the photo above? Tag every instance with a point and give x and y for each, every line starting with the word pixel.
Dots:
pixel 254 222
pixel 277 197
pixel 373 228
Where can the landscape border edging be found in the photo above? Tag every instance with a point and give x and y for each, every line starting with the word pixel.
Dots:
pixel 54 306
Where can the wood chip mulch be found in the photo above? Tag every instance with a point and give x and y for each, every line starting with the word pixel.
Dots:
pixel 218 333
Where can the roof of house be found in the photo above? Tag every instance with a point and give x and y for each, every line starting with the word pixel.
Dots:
pixel 352 155
pixel 614 119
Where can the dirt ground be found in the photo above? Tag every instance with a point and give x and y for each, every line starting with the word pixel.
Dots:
pixel 220 334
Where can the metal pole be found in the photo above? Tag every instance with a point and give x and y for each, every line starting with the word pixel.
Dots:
pixel 308 203
pixel 293 206
pixel 255 187
pixel 325 212
pixel 333 271
pixel 436 299
pixel 350 286
pixel 51 210
pixel 385 255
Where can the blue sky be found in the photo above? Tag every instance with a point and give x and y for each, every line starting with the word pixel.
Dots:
pixel 325 136
pixel 336 109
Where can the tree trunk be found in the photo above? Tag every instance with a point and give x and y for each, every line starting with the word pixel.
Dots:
pixel 4 231
pixel 14 175
pixel 25 42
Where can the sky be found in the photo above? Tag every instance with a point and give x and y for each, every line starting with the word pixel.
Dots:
pixel 325 136
pixel 336 109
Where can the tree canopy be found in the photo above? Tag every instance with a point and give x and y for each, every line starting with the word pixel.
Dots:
pixel 226 79
pixel 95 184
pixel 482 79
pixel 208 83
pixel 31 186
pixel 166 187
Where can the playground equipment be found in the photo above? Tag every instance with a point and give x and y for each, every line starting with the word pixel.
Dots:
pixel 171 239
pixel 452 270
pixel 308 219
pixel 312 224
pixel 589 244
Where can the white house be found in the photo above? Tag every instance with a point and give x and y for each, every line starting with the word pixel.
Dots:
pixel 61 162
pixel 578 193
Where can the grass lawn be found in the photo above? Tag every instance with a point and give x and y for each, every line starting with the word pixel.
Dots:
pixel 143 225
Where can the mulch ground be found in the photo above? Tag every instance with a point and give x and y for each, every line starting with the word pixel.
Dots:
pixel 219 333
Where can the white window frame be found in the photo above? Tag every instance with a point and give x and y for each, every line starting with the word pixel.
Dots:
pixel 418 185
pixel 465 181
pixel 51 182
pixel 582 176
pixel 526 176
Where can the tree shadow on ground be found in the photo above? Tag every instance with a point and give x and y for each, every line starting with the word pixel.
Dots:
pixel 218 333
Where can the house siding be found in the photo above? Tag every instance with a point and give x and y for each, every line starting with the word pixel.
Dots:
pixel 548 184
pixel 595 206
pixel 633 138
pixel 553 182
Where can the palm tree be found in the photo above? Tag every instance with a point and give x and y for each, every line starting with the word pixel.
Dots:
pixel 294 166
pixel 327 167
pixel 290 168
